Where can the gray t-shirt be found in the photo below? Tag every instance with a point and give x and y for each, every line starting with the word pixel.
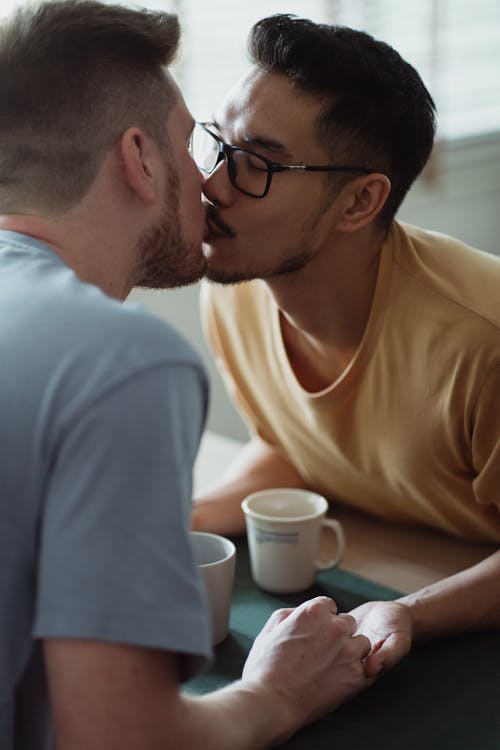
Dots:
pixel 101 411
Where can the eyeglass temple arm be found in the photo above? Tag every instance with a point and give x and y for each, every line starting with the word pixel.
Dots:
pixel 306 168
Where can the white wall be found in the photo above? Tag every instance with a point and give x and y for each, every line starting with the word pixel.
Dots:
pixel 463 202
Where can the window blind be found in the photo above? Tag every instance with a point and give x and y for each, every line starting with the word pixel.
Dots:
pixel 454 45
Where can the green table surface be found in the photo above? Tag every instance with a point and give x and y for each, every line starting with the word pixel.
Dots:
pixel 442 696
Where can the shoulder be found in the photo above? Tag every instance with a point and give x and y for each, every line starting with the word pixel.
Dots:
pixel 123 343
pixel 98 324
pixel 49 301
pixel 83 341
pixel 142 333
pixel 462 275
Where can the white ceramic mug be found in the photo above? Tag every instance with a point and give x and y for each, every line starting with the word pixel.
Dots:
pixel 215 558
pixel 283 529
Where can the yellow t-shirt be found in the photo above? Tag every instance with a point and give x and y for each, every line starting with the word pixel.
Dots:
pixel 410 432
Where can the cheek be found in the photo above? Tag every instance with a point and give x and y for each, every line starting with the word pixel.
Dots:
pixel 290 218
pixel 275 225
pixel 190 191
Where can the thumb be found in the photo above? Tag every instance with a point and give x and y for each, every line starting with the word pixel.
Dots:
pixel 386 655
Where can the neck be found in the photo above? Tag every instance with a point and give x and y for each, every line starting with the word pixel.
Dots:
pixel 88 253
pixel 96 237
pixel 330 299
pixel 325 308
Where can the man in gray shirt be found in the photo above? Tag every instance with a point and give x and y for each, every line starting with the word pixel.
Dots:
pixel 101 412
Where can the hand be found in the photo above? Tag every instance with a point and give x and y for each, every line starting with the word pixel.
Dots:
pixel 389 627
pixel 308 660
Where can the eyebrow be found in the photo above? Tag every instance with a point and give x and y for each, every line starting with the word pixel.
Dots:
pixel 269 144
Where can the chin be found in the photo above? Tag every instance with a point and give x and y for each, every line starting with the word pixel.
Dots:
pixel 227 275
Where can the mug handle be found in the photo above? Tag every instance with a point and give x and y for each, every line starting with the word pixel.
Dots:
pixel 336 528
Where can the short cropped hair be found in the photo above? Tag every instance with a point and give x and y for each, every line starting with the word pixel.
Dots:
pixel 379 114
pixel 74 75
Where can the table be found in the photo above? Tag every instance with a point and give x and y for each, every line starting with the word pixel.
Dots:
pixel 405 558
pixel 443 695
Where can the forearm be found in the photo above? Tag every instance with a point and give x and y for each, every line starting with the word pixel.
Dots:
pixel 121 697
pixel 124 697
pixel 467 601
pixel 219 509
pixel 258 467
pixel 233 718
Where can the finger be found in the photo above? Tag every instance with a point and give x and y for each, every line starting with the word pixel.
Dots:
pixel 362 646
pixel 350 622
pixel 276 618
pixel 390 652
pixel 374 665
pixel 319 608
pixel 319 603
pixel 309 613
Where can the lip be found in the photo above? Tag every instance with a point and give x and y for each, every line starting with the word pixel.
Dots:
pixel 214 230
pixel 215 225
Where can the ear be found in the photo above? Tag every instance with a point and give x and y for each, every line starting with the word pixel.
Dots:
pixel 363 200
pixel 139 160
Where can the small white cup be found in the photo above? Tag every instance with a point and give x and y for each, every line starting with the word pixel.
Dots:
pixel 283 529
pixel 215 558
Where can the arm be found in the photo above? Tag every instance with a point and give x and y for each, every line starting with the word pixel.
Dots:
pixel 117 696
pixel 465 602
pixel 258 467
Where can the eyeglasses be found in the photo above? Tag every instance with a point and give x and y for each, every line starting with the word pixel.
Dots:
pixel 249 172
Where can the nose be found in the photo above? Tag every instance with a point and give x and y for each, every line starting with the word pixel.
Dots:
pixel 217 186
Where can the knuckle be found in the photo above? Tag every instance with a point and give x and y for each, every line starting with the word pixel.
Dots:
pixel 280 613
pixel 361 644
pixel 349 622
pixel 340 627
pixel 313 608
pixel 319 602
pixel 279 616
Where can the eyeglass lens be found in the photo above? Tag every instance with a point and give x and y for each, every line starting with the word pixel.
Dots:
pixel 204 149
pixel 247 171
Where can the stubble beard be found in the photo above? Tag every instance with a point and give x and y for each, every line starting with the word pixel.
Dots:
pixel 166 259
pixel 294 259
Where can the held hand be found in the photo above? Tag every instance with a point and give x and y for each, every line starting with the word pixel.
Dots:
pixel 388 625
pixel 308 660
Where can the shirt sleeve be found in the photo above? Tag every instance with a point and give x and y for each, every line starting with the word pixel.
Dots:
pixel 115 563
pixel 486 441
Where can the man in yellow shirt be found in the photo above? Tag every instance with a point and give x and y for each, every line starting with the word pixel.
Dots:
pixel 364 354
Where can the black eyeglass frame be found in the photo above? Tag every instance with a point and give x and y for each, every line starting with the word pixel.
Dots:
pixel 226 151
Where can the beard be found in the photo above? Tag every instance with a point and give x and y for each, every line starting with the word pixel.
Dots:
pixel 166 259
pixel 295 260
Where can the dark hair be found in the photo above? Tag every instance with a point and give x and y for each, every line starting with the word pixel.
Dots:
pixel 380 114
pixel 74 75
